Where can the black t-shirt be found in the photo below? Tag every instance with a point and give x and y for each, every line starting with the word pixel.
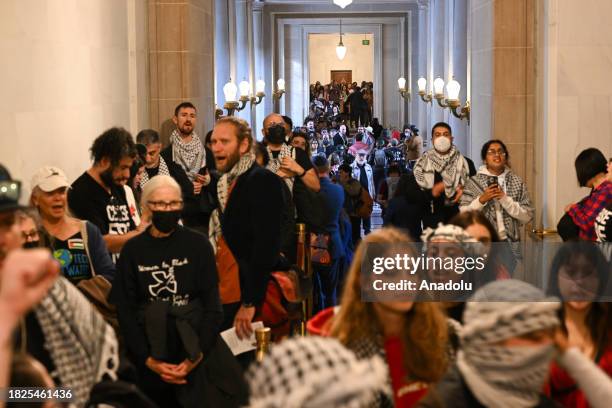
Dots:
pixel 301 157
pixel 89 201
pixel 152 172
pixel 179 269
pixel 72 258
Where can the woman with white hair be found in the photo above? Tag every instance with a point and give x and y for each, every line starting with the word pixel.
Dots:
pixel 168 303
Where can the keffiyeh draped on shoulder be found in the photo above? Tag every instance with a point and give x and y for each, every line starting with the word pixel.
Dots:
pixel 451 166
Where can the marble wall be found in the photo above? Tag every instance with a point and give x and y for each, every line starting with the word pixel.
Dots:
pixel 181 61
pixel 70 70
pixel 574 51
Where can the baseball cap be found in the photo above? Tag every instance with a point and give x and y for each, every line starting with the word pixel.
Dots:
pixel 369 129
pixel 49 178
pixel 10 190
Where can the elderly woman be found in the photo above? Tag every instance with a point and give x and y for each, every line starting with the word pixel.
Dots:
pixel 77 245
pixel 168 304
pixel 499 193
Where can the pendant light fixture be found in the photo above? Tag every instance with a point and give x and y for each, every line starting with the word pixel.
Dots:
pixel 340 48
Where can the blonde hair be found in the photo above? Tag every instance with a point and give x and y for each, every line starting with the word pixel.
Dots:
pixel 155 183
pixel 243 130
pixel 425 333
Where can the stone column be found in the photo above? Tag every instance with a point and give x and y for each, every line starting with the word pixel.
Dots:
pixel 181 60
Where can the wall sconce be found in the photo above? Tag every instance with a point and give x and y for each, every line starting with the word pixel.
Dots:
pixel 401 84
pixel 280 89
pixel 452 102
pixel 422 85
pixel 452 89
pixel 232 105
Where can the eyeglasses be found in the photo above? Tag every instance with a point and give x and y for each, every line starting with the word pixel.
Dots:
pixel 165 205
pixel 499 153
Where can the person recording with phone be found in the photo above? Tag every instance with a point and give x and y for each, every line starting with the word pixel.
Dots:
pixel 500 194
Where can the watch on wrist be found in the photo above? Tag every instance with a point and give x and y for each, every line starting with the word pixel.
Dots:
pixel 247 305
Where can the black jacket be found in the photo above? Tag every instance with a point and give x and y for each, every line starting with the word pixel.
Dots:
pixel 251 225
pixel 196 211
pixel 452 391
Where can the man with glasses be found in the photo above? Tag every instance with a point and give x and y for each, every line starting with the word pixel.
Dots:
pixel 441 172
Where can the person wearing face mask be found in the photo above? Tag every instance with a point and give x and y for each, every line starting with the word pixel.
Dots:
pixel 30 225
pixel 99 194
pixel 441 172
pixel 167 297
pixel 506 349
pixel 286 161
pixel 77 245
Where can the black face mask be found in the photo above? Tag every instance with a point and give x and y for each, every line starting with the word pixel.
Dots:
pixel 31 244
pixel 166 221
pixel 276 134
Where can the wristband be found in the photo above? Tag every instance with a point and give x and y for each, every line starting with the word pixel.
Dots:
pixel 303 174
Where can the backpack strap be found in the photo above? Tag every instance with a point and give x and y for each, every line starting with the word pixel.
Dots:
pixel 85 238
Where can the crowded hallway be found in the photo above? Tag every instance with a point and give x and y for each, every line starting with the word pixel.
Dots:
pixel 285 203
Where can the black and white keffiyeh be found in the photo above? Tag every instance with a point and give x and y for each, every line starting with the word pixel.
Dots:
pixel 451 166
pixel 514 188
pixel 81 344
pixel 308 372
pixel 223 185
pixel 191 155
pixel 275 163
pixel 502 376
pixel 163 171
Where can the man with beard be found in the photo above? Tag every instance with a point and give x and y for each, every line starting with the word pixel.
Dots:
pixel 246 237
pixel 285 161
pixel 188 153
pixel 99 194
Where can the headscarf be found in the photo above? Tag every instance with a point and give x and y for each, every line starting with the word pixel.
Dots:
pixel 505 376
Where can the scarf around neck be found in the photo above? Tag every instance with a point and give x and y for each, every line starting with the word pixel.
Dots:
pixel 451 166
pixel 163 171
pixel 80 343
pixel 275 163
pixel 190 156
pixel 223 187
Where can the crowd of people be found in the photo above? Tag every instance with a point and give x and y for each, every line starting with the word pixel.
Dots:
pixel 342 102
pixel 118 284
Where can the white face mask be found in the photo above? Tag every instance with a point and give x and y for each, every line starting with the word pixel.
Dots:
pixel 442 144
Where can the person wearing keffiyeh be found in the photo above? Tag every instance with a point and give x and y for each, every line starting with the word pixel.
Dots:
pixel 499 193
pixel 506 347
pixel 442 172
pixel 591 171
pixel 245 229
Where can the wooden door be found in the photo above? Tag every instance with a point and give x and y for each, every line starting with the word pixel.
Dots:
pixel 340 76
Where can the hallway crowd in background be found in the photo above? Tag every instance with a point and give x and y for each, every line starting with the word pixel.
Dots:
pixel 157 249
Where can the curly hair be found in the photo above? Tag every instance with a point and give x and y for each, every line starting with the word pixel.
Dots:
pixel 114 144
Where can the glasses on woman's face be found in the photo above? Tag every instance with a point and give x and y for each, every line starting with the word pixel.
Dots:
pixel 29 236
pixel 165 205
pixel 499 153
